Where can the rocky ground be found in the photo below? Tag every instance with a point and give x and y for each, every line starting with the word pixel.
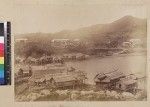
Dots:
pixel 76 95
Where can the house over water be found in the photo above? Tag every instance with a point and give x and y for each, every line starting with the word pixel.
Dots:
pixel 115 81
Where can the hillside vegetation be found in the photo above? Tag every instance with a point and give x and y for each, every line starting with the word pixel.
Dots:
pixel 110 35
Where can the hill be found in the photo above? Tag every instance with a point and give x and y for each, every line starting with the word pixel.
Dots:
pixel 100 35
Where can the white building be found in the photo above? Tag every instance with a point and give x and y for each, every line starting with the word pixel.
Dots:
pixel 60 42
pixel 21 40
pixel 127 44
pixel 136 42
pixel 132 43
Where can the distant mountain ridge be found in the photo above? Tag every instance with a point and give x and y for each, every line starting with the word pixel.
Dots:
pixel 110 35
pixel 127 24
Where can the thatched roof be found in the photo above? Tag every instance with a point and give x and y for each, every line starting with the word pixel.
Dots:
pixel 65 78
pixel 107 77
pixel 128 82
pixel 115 75
pixel 60 77
pixel 129 79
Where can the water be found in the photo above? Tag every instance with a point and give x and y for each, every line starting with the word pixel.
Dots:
pixel 124 63
pixel 127 64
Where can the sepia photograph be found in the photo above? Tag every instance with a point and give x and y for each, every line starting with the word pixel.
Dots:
pixel 80 53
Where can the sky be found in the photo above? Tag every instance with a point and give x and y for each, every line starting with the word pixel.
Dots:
pixel 46 17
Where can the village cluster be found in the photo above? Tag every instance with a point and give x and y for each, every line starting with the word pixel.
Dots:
pixel 125 48
pixel 51 72
pixel 61 77
pixel 71 78
pixel 52 59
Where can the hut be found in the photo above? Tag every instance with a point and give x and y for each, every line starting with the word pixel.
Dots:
pixel 66 81
pixel 23 75
pixel 116 81
pixel 63 80
pixel 58 81
pixel 128 83
pixel 108 80
pixel 24 72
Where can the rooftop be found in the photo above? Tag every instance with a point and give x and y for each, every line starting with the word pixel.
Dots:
pixel 128 81
pixel 107 77
pixel 115 75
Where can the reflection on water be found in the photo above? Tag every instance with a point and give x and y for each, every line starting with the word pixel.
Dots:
pixel 126 64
